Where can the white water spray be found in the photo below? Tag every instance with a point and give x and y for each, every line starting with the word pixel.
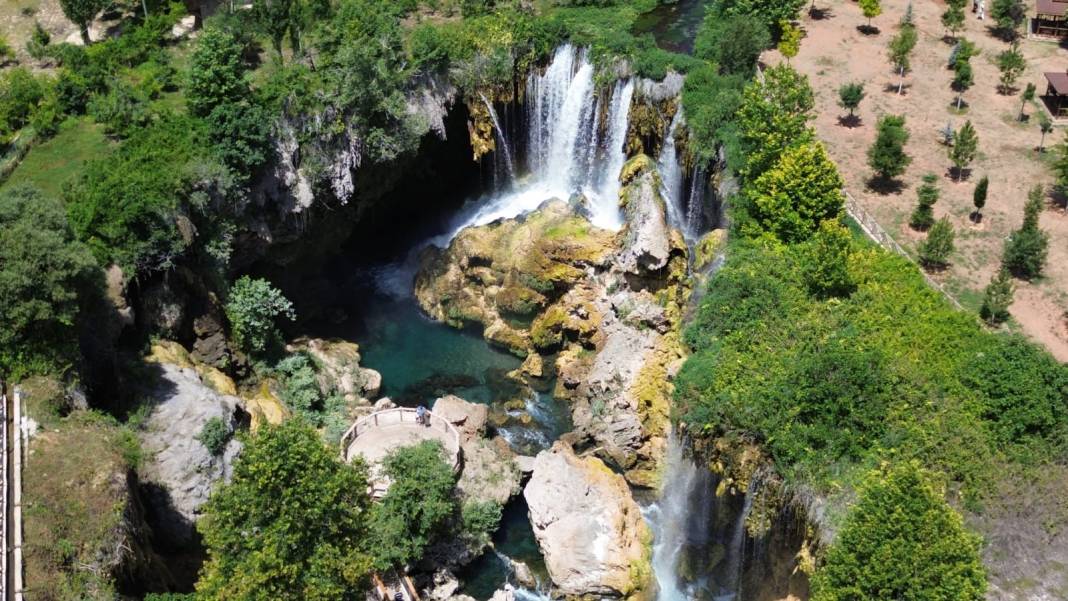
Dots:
pixel 502 140
pixel 671 177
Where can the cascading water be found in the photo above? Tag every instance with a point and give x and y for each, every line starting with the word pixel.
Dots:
pixel 502 140
pixel 671 177
pixel 566 151
pixel 695 205
pixel 680 520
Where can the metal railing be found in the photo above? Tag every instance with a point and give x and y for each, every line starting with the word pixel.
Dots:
pixel 403 417
pixel 881 237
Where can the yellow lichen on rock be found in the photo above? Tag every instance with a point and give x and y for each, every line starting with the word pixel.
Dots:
pixel 265 407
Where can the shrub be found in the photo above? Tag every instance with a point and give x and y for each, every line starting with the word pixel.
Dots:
pixel 902 541
pixel 922 217
pixel 934 251
pixel 802 190
pixel 214 435
pixel 887 157
pixel 20 92
pixel 480 520
pixel 733 43
pixel 825 262
pixel 253 308
pixel 997 298
pixel 121 110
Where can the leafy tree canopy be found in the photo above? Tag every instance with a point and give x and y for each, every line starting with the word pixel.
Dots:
pixel 797 194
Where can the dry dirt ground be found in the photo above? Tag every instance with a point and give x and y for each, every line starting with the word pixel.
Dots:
pixel 834 52
pixel 17 17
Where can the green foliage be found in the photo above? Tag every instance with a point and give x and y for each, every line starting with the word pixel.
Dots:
pixel 126 206
pixel 922 217
pixel 480 520
pixel 122 110
pixel 979 195
pixel 963 79
pixel 216 72
pixel 770 12
pixel 1045 125
pixel 902 541
pixel 1011 64
pixel 418 507
pixel 170 597
pixel 6 51
pixel 214 435
pixel 953 17
pixel 309 515
pixel 934 251
pixel 1009 15
pixel 789 39
pixel 850 96
pixel 44 276
pixel 710 101
pixel 253 308
pixel 1026 249
pixel 773 116
pixel 825 266
pixel 797 194
pixel 20 92
pixel 887 157
pixel 871 9
pixel 965 146
pixel 733 43
pixel 997 298
pixel 901 47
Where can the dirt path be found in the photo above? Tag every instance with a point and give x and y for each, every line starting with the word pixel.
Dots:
pixel 835 52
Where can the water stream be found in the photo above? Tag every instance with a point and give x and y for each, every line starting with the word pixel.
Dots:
pixel 502 140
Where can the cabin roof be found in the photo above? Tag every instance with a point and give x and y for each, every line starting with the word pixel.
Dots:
pixel 1056 8
pixel 1058 80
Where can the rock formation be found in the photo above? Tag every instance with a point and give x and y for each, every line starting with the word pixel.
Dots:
pixel 490 472
pixel 588 526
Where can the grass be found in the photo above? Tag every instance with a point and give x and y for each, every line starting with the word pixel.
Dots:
pixel 51 164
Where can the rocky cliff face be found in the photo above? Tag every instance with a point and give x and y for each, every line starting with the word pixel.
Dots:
pixel 587 525
pixel 600 311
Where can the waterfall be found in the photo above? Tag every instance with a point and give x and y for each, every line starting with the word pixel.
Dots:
pixel 671 177
pixel 736 549
pixel 502 140
pixel 680 519
pixel 606 197
pixel 695 206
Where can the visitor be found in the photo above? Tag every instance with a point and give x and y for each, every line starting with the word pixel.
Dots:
pixel 420 415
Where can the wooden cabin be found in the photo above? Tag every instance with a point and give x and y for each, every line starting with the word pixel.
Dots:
pixel 1050 18
pixel 1056 97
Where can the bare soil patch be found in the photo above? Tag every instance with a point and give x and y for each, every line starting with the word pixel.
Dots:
pixel 834 52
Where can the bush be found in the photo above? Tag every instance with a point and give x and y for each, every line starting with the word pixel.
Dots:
pixel 887 157
pixel 934 251
pixel 902 541
pixel 122 110
pixel 45 275
pixel 733 43
pixel 794 197
pixel 20 92
pixel 418 507
pixel 480 520
pixel 253 308
pixel 214 436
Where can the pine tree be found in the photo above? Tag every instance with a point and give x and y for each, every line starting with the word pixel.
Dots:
pixel 908 20
pixel 1026 250
pixel 927 195
pixel 1045 125
pixel 979 198
pixel 871 9
pixel 887 156
pixel 953 18
pixel 935 250
pixel 850 96
pixel 901 47
pixel 1011 63
pixel 997 298
pixel 965 146
pixel 1009 15
pixel 963 79
pixel 1027 96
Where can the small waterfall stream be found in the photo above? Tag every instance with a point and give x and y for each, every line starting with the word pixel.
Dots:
pixel 671 177
pixel 502 140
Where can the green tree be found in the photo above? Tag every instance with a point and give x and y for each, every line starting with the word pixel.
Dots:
pixel 82 13
pixel 1011 63
pixel 6 51
pixel 953 18
pixel 418 508
pixel 979 198
pixel 44 273
pixel 927 195
pixel 1026 249
pixel 801 191
pixel 825 265
pixel 850 96
pixel 934 251
pixel 20 93
pixel 1009 16
pixel 253 308
pixel 871 9
pixel 773 116
pixel 275 19
pixel 214 435
pixel 771 12
pixel 965 146
pixel 789 40
pixel 216 72
pixel 734 43
pixel 963 79
pixel 291 524
pixel 901 47
pixel 902 541
pixel 1027 96
pixel 997 298
pixel 887 157
pixel 1045 125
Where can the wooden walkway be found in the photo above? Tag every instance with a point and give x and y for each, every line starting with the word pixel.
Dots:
pixel 11 495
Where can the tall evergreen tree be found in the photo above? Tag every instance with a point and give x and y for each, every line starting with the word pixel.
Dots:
pixel 965 146
pixel 1027 96
pixel 935 250
pixel 927 195
pixel 1009 16
pixel 953 18
pixel 979 198
pixel 1026 249
pixel 997 298
pixel 887 157
pixel 1011 63
pixel 901 47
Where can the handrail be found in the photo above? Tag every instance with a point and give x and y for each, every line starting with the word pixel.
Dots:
pixel 385 419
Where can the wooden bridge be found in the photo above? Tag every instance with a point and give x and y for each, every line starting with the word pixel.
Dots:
pixel 11 584
pixel 375 436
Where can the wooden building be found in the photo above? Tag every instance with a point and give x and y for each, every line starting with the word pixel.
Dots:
pixel 1050 18
pixel 1056 96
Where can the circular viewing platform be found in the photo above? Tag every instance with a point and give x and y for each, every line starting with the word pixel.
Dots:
pixel 375 436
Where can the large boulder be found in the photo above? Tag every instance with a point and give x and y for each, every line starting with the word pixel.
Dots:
pixel 179 469
pixel 647 237
pixel 588 526
pixel 469 418
pixel 490 472
pixel 338 363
